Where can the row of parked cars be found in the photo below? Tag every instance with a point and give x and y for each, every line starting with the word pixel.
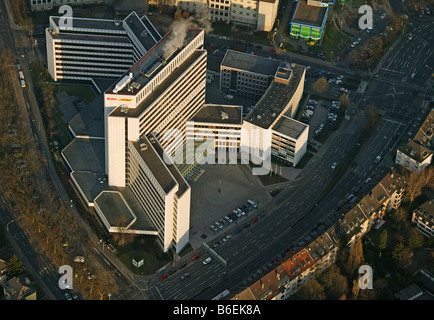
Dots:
pixel 241 211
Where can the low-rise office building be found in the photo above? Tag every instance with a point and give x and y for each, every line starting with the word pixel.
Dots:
pixel 220 123
pixel 309 18
pixel 246 75
pixel 269 128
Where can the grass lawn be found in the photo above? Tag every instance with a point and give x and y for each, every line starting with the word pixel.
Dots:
pixel 146 249
pixel 332 42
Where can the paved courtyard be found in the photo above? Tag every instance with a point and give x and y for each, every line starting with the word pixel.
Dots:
pixel 221 189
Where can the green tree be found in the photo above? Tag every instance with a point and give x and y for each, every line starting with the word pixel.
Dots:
pixel 416 240
pixel 383 240
pixel 401 254
pixel 14 267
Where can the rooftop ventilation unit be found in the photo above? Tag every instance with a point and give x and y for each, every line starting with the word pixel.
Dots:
pixel 123 82
pixel 224 115
pixel 143 147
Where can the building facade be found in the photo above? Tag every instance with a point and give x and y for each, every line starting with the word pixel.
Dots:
pixel 256 15
pixel 246 75
pixel 309 19
pixel 41 5
pixel 97 48
pixel 423 217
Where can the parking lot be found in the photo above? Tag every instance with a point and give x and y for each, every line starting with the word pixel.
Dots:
pixel 217 193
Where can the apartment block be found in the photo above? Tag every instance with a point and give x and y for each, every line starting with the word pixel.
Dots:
pixel 417 153
pixel 97 48
pixel 423 218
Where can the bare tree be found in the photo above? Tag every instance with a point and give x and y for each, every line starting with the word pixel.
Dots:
pixel 320 86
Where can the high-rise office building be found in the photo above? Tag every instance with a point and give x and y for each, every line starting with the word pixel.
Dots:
pixel 84 49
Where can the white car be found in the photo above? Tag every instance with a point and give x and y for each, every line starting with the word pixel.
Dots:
pixel 383 15
pixel 344 90
pixel 340 77
pixel 338 81
pixel 207 260
pixel 226 238
pixel 218 224
pixel 228 219
pixel 334 165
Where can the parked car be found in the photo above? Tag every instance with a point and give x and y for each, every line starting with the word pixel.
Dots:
pixel 227 238
pixel 334 165
pixel 182 265
pixel 207 260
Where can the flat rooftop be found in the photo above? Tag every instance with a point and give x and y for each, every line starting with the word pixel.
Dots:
pixel 84 154
pixel 182 184
pixel 167 175
pixel 92 24
pixel 90 120
pixel 222 114
pixel 290 127
pixel 161 88
pixel 415 151
pixel 250 63
pixel 275 99
pixel 115 209
pixel 121 209
pixel 309 15
pixel 155 59
pixel 141 31
pixel 92 37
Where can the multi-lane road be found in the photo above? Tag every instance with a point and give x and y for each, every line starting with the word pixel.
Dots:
pixel 295 214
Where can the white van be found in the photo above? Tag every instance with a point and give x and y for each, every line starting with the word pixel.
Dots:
pixel 253 204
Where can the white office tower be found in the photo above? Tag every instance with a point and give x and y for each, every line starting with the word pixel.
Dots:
pixel 160 190
pixel 84 49
pixel 145 114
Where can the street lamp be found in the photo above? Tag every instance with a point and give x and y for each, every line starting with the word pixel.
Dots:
pixel 7 226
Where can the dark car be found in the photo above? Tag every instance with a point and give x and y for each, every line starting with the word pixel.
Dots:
pixel 342 57
pixel 254 220
pixel 238 230
pixel 164 277
pixel 195 257
pixel 182 265
pixel 185 276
